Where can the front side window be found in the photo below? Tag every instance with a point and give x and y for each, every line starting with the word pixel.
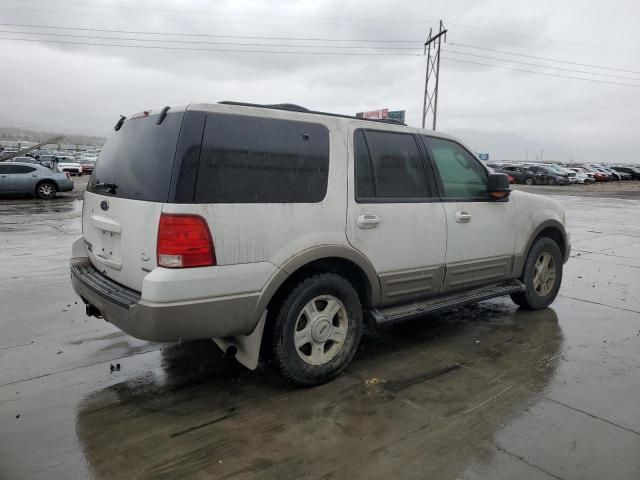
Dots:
pixel 262 160
pixel 462 175
pixel 388 166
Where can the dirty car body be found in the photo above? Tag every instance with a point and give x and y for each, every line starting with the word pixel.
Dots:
pixel 224 221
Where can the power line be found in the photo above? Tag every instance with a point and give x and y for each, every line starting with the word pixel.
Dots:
pixel 190 21
pixel 540 66
pixel 547 39
pixel 232 14
pixel 541 73
pixel 159 40
pixel 310 39
pixel 543 58
pixel 157 47
pixel 336 18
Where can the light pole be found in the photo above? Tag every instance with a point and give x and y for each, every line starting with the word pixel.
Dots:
pixel 541 155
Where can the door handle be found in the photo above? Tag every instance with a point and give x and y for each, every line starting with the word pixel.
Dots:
pixel 463 217
pixel 368 221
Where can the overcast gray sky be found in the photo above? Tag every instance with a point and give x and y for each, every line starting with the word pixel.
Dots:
pixel 508 113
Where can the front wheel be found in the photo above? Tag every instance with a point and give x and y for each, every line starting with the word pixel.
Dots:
pixel 542 275
pixel 46 190
pixel 317 330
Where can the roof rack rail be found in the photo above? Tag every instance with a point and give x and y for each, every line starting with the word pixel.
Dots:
pixel 297 108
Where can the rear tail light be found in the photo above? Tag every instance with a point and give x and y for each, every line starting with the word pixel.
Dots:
pixel 184 241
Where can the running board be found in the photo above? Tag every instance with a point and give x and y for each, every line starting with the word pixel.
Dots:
pixel 400 313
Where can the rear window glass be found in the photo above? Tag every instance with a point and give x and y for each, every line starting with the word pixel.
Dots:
pixel 138 159
pixel 262 160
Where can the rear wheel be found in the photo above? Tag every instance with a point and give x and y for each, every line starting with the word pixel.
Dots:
pixel 46 190
pixel 541 276
pixel 317 330
pixel 528 181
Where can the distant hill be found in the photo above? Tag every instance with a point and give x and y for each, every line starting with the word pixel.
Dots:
pixel 15 134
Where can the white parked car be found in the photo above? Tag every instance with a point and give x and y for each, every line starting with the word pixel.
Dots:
pixel 583 176
pixel 278 230
pixel 69 164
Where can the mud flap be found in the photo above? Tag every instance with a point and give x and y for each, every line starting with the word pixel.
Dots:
pixel 247 346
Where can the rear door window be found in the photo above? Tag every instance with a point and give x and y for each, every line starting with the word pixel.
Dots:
pixel 389 166
pixel 262 160
pixel 138 159
pixel 18 169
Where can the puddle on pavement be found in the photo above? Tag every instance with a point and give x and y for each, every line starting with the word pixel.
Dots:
pixel 202 413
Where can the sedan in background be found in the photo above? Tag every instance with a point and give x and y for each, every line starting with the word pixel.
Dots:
pixel 87 163
pixel 29 179
pixel 551 176
pixel 633 171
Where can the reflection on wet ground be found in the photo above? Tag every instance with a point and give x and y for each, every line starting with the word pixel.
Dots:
pixel 481 392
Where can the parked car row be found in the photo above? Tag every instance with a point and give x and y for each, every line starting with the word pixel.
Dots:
pixel 62 162
pixel 557 174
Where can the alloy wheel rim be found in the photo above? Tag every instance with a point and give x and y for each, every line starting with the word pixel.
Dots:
pixel 46 190
pixel 544 274
pixel 321 330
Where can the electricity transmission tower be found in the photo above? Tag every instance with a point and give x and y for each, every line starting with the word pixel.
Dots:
pixel 432 52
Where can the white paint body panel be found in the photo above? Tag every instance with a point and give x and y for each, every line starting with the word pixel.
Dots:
pixel 164 285
pixel 531 211
pixel 491 232
pixel 121 237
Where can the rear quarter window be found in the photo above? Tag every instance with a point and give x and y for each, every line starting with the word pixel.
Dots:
pixel 262 160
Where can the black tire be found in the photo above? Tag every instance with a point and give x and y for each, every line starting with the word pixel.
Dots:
pixel 46 190
pixel 287 356
pixel 532 299
pixel 528 181
pixel 552 181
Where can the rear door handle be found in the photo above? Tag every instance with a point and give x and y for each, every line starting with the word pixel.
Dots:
pixel 368 221
pixel 463 217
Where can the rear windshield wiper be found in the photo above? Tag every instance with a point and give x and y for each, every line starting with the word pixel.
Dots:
pixel 111 187
pixel 120 123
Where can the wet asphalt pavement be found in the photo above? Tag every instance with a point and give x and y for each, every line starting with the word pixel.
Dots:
pixel 483 392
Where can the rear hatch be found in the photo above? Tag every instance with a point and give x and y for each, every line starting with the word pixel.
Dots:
pixel 124 197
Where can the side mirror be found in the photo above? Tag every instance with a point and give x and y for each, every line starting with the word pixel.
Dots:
pixel 498 185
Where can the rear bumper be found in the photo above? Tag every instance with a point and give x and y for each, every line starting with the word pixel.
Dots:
pixel 65 185
pixel 162 322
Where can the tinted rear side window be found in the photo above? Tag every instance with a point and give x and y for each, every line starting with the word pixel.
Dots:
pixel 398 170
pixel 17 169
pixel 262 160
pixel 138 159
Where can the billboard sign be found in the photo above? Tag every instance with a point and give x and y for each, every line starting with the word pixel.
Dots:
pixel 381 114
pixel 397 115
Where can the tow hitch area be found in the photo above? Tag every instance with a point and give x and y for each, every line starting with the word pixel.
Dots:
pixel 92 311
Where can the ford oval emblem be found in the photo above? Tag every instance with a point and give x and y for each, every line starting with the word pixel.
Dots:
pixel 104 205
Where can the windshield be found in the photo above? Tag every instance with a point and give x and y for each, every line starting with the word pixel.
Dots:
pixel 138 159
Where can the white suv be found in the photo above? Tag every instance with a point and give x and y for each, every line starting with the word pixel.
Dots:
pixel 276 230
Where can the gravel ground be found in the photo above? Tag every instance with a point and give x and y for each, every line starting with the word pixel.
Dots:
pixel 627 189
